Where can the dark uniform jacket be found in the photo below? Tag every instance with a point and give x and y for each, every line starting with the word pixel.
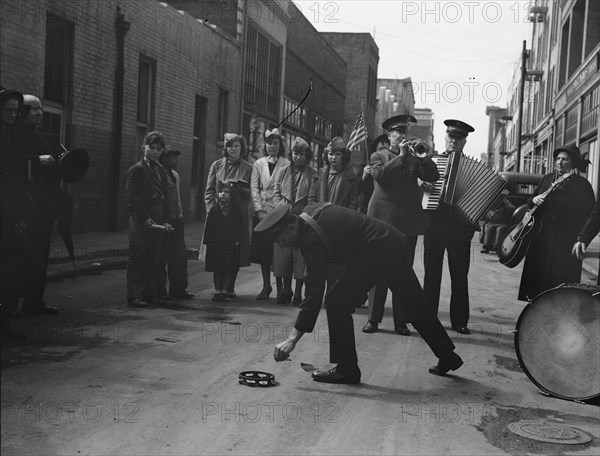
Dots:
pixel 351 235
pixel 396 198
pixel 143 201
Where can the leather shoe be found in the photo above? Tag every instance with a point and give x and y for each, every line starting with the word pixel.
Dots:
pixel 446 364
pixel 230 294
pixel 461 329
pixel 138 302
pixel 370 327
pixel 403 330
pixel 264 293
pixel 339 374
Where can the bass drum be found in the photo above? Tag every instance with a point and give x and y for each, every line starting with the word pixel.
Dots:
pixel 557 341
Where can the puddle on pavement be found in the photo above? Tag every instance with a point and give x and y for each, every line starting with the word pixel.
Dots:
pixel 510 364
pixel 494 426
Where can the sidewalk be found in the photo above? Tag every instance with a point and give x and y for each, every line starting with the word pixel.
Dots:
pixel 95 252
pixel 98 251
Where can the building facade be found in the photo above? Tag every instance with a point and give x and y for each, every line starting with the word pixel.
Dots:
pixel 395 97
pixel 562 87
pixel 108 73
pixel 424 127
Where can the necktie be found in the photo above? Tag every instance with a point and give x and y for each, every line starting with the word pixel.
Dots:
pixel 156 181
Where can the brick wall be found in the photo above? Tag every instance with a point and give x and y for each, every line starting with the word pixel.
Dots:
pixel 191 59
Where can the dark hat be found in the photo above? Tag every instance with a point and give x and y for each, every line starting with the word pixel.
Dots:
pixel 274 223
pixel 575 154
pixel 170 150
pixel 6 94
pixel 379 139
pixel 300 145
pixel 458 128
pixel 335 144
pixel 223 185
pixel 398 123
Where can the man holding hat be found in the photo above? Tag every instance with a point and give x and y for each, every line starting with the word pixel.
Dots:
pixel 327 233
pixel 447 231
pixel 173 255
pixel 396 200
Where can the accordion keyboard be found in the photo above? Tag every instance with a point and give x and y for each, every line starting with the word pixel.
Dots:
pixel 431 200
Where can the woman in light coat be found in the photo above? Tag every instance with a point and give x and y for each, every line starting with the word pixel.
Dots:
pixel 262 186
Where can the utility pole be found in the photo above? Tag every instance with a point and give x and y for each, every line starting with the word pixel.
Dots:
pixel 524 56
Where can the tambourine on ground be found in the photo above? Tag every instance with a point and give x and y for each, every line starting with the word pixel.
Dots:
pixel 557 340
pixel 256 378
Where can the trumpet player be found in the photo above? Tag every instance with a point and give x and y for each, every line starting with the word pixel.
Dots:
pixel 396 200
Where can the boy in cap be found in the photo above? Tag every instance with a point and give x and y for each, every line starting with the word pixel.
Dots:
pixel 370 249
pixel 145 192
pixel 446 231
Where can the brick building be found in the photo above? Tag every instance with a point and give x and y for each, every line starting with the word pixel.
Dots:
pixel 424 127
pixel 361 54
pixel 105 101
pixel 395 97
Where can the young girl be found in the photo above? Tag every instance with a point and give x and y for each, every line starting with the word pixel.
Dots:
pixel 223 235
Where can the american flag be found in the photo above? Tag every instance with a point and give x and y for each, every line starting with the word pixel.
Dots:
pixel 358 135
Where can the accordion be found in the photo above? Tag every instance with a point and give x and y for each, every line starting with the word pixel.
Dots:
pixel 472 187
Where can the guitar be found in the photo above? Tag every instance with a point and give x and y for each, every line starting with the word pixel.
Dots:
pixel 516 243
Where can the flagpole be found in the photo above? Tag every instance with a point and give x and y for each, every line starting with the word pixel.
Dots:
pixel 362 110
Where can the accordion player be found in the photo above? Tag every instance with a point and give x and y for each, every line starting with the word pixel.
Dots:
pixel 471 187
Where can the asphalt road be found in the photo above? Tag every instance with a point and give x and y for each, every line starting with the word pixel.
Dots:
pixel 103 378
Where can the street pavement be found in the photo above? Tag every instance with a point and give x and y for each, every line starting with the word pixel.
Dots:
pixel 104 378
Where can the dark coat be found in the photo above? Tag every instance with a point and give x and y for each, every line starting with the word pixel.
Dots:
pixel 142 201
pixel 346 194
pixel 223 236
pixel 397 198
pixel 282 193
pixel 549 261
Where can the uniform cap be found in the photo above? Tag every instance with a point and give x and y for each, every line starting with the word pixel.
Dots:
pixel 336 143
pixel 269 228
pixel 398 123
pixel 458 128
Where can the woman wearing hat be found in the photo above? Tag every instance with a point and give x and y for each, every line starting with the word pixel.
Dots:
pixel 562 214
pixel 336 182
pixel 235 169
pixel 262 187
pixel 292 187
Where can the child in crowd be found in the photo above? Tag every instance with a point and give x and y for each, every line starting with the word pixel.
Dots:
pixel 223 235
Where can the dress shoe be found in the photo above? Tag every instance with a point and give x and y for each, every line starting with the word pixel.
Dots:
pixel 370 327
pixel 231 295
pixel 461 329
pixel 219 297
pixel 297 300
pixel 403 330
pixel 184 295
pixel 485 250
pixel 138 302
pixel 42 310
pixel 264 293
pixel 444 365
pixel 339 374
pixel 285 297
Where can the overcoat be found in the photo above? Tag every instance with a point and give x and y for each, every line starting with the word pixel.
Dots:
pixel 346 193
pixel 282 193
pixel 240 171
pixel 396 197
pixel 549 261
pixel 263 184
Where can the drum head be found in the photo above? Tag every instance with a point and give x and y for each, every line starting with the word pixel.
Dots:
pixel 73 165
pixel 558 341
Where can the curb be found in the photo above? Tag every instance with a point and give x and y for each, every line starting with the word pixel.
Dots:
pixel 89 268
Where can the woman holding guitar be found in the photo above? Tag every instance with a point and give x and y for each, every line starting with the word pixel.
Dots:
pixel 561 209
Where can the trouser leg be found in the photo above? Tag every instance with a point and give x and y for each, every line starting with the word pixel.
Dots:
pixel 459 258
pixel 433 258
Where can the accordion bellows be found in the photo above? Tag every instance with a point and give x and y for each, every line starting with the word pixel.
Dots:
pixel 469 185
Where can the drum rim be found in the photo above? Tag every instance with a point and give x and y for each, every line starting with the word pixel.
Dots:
pixel 520 359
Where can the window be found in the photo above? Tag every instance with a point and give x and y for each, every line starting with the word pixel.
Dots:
pixel 564 54
pixel 576 40
pixel 263 70
pixel 592 36
pixel 146 88
pixel 57 75
pixel 198 152
pixel 222 113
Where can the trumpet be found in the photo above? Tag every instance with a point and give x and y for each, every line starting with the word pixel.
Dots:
pixel 419 150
